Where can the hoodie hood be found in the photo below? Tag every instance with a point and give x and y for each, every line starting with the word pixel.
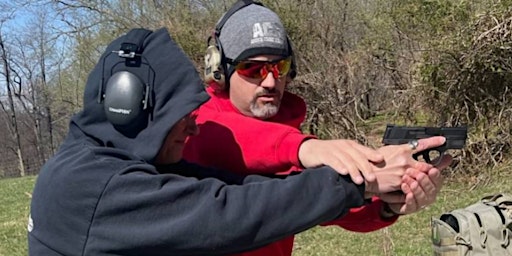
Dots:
pixel 176 91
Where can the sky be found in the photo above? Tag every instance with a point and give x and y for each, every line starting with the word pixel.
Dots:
pixel 17 20
pixel 11 15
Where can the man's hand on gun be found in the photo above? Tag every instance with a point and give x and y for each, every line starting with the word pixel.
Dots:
pixel 397 162
pixel 394 172
pixel 419 183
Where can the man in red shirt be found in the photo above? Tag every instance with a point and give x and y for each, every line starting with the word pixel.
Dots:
pixel 251 125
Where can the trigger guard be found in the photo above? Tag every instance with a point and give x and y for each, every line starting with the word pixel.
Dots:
pixel 424 154
pixel 426 157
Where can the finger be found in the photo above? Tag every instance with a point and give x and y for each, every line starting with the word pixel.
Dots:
pixel 356 163
pixel 360 157
pixel 403 208
pixel 427 143
pixel 420 195
pixel 419 166
pixel 428 186
pixel 406 180
pixel 364 168
pixel 339 168
pixel 345 165
pixel 436 177
pixel 368 174
pixel 410 204
pixel 405 185
pixel 356 177
pixel 415 173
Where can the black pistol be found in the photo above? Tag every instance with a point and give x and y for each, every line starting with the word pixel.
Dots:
pixel 455 138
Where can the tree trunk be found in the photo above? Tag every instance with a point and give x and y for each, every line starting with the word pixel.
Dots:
pixel 14 122
pixel 45 92
pixel 20 159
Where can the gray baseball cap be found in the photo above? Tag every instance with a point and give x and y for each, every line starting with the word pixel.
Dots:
pixel 250 31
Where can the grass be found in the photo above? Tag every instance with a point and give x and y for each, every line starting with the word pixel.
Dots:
pixel 14 204
pixel 409 236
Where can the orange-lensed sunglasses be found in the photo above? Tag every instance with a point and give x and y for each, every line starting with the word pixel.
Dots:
pixel 259 69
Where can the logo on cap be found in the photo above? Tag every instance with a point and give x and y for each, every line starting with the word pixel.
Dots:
pixel 267 32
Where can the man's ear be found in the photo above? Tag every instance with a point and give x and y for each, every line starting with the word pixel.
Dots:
pixel 289 79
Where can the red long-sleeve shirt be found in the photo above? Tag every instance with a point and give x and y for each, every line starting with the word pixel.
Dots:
pixel 232 141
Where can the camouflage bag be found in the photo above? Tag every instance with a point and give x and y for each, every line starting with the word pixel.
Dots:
pixel 483 228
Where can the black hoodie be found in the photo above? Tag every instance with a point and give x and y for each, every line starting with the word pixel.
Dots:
pixel 102 194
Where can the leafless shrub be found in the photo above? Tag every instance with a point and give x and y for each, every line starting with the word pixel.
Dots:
pixel 472 85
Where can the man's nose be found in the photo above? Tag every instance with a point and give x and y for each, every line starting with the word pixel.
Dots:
pixel 269 81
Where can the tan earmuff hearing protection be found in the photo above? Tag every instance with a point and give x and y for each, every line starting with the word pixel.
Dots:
pixel 213 70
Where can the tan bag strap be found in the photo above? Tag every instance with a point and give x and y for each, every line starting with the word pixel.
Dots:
pixel 503 202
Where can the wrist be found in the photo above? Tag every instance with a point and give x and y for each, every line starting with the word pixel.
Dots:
pixel 305 150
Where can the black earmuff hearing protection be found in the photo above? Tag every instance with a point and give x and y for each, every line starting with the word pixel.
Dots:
pixel 126 98
pixel 214 59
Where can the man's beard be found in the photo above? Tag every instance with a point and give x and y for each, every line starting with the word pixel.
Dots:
pixel 266 110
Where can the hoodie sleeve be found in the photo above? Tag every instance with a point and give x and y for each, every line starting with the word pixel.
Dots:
pixel 275 151
pixel 365 218
pixel 143 213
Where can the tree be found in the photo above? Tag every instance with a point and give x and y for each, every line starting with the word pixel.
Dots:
pixel 10 110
